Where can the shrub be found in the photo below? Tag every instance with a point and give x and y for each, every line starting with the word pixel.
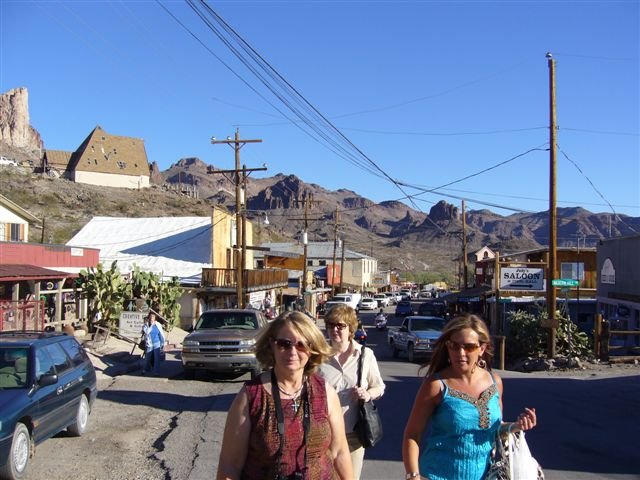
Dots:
pixel 526 338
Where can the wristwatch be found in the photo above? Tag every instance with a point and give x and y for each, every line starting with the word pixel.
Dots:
pixel 411 475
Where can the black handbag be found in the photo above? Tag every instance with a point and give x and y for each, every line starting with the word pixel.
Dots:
pixel 369 426
pixel 143 344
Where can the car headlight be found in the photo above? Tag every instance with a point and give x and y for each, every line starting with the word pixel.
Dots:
pixel 247 343
pixel 191 343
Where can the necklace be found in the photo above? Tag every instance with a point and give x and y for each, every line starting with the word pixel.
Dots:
pixel 294 396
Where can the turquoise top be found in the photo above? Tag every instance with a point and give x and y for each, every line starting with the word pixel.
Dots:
pixel 463 430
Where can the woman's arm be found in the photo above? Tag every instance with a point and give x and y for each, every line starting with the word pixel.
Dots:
pixel 375 384
pixel 427 399
pixel 526 420
pixel 339 446
pixel 235 441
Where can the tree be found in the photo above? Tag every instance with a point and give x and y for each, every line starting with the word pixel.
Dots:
pixel 105 291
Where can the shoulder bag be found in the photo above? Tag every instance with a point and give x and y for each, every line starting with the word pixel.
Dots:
pixel 369 426
pixel 511 459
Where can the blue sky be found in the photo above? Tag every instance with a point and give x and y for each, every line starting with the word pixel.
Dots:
pixel 426 93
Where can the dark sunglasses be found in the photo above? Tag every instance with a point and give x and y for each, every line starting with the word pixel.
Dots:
pixel 467 347
pixel 339 326
pixel 286 344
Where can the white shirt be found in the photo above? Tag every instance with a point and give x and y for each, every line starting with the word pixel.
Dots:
pixel 343 378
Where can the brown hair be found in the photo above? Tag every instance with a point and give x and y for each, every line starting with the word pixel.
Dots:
pixel 440 358
pixel 319 350
pixel 343 314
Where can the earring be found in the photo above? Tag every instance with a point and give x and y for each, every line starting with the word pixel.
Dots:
pixel 481 363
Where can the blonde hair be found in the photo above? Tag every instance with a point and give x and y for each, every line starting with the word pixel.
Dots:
pixel 319 350
pixel 440 358
pixel 344 314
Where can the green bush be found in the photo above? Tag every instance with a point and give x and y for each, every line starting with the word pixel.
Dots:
pixel 526 338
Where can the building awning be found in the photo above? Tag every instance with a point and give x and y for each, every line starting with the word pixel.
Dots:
pixel 16 273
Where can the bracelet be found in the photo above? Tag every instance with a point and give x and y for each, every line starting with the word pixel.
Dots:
pixel 411 475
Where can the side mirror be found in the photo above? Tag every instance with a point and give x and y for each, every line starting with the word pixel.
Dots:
pixel 46 380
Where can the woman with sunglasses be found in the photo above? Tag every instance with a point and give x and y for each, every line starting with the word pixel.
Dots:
pixel 286 423
pixel 341 371
pixel 462 400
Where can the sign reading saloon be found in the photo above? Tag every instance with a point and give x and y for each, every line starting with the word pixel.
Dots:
pixel 521 278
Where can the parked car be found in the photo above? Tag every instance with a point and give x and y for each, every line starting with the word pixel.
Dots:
pixel 47 384
pixel 382 300
pixel 368 303
pixel 224 341
pixel 351 299
pixel 404 308
pixel 392 298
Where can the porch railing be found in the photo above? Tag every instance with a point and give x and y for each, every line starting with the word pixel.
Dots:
pixel 226 278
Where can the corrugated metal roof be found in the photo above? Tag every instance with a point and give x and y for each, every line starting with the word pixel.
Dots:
pixel 323 250
pixel 168 246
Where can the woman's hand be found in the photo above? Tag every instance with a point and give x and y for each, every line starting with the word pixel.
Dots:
pixel 526 420
pixel 362 394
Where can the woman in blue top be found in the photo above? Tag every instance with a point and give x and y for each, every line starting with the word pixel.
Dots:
pixel 462 400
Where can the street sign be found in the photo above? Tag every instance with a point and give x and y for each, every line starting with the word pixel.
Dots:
pixel 512 278
pixel 565 282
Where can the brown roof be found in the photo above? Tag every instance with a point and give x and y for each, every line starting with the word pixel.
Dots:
pixel 105 153
pixel 58 159
pixel 30 272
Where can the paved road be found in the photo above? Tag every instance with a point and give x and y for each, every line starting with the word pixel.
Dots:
pixel 587 426
pixel 144 427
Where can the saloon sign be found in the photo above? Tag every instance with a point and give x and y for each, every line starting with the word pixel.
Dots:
pixel 521 278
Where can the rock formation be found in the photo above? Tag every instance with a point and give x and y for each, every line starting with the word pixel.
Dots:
pixel 15 129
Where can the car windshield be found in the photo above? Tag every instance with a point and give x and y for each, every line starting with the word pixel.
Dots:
pixel 227 320
pixel 14 363
pixel 424 324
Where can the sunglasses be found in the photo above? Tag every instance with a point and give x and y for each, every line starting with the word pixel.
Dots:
pixel 286 344
pixel 339 326
pixel 467 347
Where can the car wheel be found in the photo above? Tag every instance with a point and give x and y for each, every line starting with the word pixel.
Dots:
pixel 189 373
pixel 78 427
pixel 19 455
pixel 410 353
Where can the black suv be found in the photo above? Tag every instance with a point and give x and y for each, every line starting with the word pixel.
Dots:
pixel 47 384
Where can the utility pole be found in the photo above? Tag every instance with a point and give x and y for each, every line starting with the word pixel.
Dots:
pixel 342 266
pixel 240 181
pixel 464 247
pixel 551 291
pixel 335 245
pixel 308 202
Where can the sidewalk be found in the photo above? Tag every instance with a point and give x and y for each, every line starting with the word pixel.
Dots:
pixel 118 357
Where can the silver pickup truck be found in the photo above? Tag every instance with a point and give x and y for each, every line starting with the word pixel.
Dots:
pixel 223 341
pixel 416 336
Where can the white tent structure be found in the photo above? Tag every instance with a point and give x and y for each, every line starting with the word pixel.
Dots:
pixel 167 246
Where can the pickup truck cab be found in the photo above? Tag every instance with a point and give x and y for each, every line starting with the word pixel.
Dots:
pixel 416 336
pixel 224 341
pixel 351 299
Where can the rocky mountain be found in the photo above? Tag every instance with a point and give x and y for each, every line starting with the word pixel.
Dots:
pixel 16 133
pixel 400 237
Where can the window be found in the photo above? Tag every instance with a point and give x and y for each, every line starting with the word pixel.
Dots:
pixel 322 263
pixel 60 359
pixel 15 233
pixel 309 263
pixel 572 270
pixel 44 365
pixel 74 351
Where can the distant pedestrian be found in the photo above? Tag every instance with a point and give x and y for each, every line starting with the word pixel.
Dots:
pixel 154 339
